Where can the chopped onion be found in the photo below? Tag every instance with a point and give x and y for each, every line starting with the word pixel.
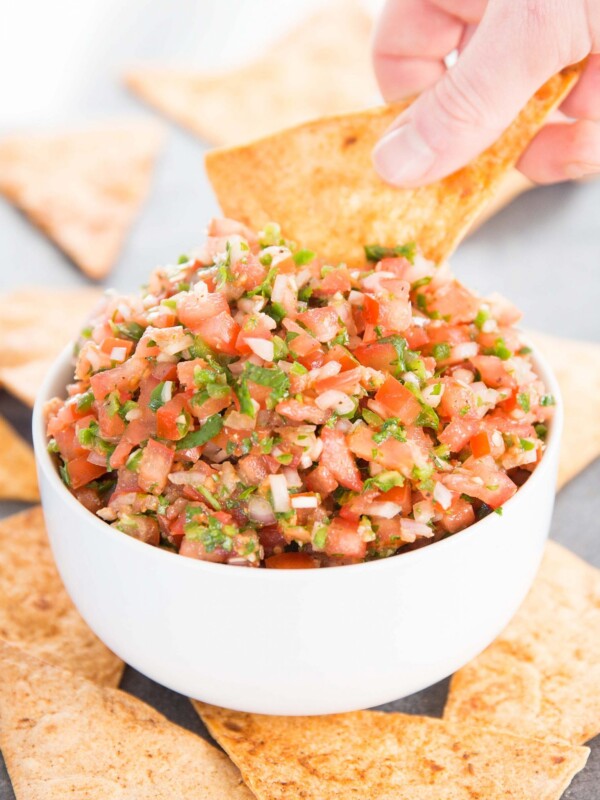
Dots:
pixel 423 511
pixel 135 413
pixel 465 376
pixel 343 425
pixel 429 395
pixel 263 348
pixel 335 400
pixel 306 461
pixel 292 478
pixel 260 510
pixel 282 285
pixel 385 509
pixel 305 501
pixel 442 495
pixel 252 305
pixel 328 370
pixel 373 281
pixel 279 490
pixel 186 478
pixel 464 350
pixel 356 298
pixel 410 377
pixel 167 391
pixel 411 529
pixel 239 422
pixel 118 354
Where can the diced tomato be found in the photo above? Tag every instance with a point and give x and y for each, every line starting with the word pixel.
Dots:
pixel 457 400
pixel 166 371
pixel 211 406
pixel 167 416
pixel 342 355
pixel 359 505
pixel 343 539
pixel 481 478
pixel 391 454
pixel 442 333
pixel 480 445
pixel 398 400
pixel 111 342
pixel 459 515
pixel 370 309
pixel 124 378
pixel 337 280
pixel 291 561
pixel 65 417
pixel 302 412
pixel 454 301
pixel 416 336
pixel 111 425
pixel 342 382
pixel 338 459
pixel 321 480
pixel 459 432
pixel 493 372
pixel 154 468
pixel 377 356
pixel 249 272
pixel 400 266
pixel 323 323
pixel 220 332
pixel 68 444
pixel 81 471
pixel 193 309
pixel 402 495
pixel 121 454
pixel 139 430
pixel 395 312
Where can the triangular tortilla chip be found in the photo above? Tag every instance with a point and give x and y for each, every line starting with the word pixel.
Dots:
pixel 18 480
pixel 317 180
pixel 62 736
pixel 321 67
pixel 370 754
pixel 84 188
pixel 577 368
pixel 35 325
pixel 24 381
pixel 35 610
pixel 541 677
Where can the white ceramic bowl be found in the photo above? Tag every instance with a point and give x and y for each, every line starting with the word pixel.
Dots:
pixel 298 641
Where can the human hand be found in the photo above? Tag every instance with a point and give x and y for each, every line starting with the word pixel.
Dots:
pixel 507 50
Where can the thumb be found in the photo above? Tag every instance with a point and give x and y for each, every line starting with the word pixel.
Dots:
pixel 512 53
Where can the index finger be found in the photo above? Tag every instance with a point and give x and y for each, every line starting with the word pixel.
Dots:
pixel 412 38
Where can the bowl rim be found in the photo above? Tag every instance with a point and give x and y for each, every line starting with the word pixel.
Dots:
pixel 47 467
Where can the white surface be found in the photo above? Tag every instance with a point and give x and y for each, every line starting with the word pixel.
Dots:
pixel 297 641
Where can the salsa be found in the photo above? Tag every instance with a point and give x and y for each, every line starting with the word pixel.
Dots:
pixel 257 406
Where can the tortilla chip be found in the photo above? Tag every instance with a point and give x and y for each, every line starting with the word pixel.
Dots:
pixel 577 368
pixel 35 609
pixel 35 325
pixel 512 186
pixel 84 188
pixel 541 677
pixel 24 381
pixel 321 67
pixel 389 757
pixel 62 736
pixel 318 182
pixel 18 479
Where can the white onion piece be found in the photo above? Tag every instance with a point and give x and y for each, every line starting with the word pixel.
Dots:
pixel 385 509
pixel 356 298
pixel 279 490
pixel 186 478
pixel 464 350
pixel 410 377
pixel 423 511
pixel 118 354
pixel 252 305
pixel 343 425
pixel 429 395
pixel 326 371
pixel 442 495
pixel 373 282
pixel 335 400
pixel 135 413
pixel 302 277
pixel 411 529
pixel 263 348
pixel 464 376
pixel 282 286
pixel 306 461
pixel 292 478
pixel 305 501
pixel 260 511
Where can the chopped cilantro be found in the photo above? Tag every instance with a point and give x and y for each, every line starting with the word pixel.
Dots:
pixel 441 351
pixel 499 349
pixel 375 252
pixel 523 401
pixel 303 257
pixel 392 428
pixel 274 378
pixel 547 400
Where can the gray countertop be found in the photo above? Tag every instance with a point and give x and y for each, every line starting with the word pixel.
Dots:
pixel 543 252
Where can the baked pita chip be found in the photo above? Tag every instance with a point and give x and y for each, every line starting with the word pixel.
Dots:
pixel 318 182
pixel 577 368
pixel 35 610
pixel 18 479
pixel 388 757
pixel 35 325
pixel 541 677
pixel 321 67
pixel 62 736
pixel 83 188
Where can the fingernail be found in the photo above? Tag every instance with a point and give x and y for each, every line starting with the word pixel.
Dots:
pixel 402 156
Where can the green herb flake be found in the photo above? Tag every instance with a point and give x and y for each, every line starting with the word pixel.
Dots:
pixel 523 401
pixel 441 351
pixel 211 428
pixel 304 257
pixel 375 252
pixel 547 400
